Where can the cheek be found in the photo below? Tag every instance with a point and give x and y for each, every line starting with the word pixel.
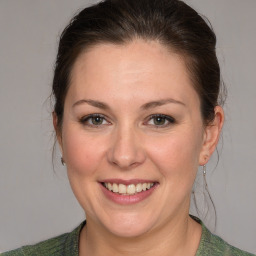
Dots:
pixel 176 155
pixel 81 153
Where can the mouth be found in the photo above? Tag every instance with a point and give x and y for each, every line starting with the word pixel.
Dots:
pixel 128 189
pixel 126 192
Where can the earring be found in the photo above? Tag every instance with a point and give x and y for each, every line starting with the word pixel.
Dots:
pixel 62 161
pixel 204 175
pixel 210 198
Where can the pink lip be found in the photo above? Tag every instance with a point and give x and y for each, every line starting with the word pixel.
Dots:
pixel 127 199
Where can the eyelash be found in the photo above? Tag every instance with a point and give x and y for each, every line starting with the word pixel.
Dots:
pixel 85 120
pixel 169 119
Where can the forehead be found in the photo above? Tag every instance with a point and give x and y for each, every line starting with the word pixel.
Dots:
pixel 107 69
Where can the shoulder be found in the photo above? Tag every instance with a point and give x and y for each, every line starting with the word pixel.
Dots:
pixel 211 244
pixel 65 244
pixel 53 246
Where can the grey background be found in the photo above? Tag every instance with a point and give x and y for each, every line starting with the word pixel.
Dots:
pixel 37 203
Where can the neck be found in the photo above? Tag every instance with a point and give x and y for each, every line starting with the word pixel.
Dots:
pixel 180 236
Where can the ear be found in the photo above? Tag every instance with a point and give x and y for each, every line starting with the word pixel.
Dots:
pixel 211 136
pixel 57 130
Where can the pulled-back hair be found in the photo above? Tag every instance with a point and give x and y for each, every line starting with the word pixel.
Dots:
pixel 170 22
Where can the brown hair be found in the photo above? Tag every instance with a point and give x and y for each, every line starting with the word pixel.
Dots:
pixel 171 22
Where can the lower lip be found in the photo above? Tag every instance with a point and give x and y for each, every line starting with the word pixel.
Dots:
pixel 127 199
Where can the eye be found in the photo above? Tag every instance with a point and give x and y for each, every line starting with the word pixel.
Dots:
pixel 160 120
pixel 94 120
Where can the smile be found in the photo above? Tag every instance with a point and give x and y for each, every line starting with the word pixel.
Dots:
pixel 127 192
pixel 130 189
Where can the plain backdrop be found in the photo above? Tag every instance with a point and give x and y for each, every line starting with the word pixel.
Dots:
pixel 36 202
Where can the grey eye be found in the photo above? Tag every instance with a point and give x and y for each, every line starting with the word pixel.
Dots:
pixel 97 120
pixel 94 120
pixel 159 120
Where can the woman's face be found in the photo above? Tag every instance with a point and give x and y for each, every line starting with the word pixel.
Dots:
pixel 132 124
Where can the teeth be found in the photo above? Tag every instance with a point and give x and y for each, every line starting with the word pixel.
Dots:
pixel 130 189
pixel 138 188
pixel 109 186
pixel 115 188
pixel 122 189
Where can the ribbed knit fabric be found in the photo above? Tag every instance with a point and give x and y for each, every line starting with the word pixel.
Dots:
pixel 67 245
pixel 63 245
pixel 212 245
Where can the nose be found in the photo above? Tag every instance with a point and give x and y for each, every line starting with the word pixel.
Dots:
pixel 126 150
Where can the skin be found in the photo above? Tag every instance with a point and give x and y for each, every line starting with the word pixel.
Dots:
pixel 128 144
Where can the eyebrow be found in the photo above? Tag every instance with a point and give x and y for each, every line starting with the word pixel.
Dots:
pixel 148 105
pixel 159 103
pixel 94 103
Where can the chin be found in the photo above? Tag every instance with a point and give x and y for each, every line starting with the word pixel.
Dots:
pixel 129 226
pixel 129 231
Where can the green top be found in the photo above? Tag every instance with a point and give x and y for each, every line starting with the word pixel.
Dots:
pixel 67 245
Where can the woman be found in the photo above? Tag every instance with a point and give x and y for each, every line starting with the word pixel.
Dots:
pixel 137 111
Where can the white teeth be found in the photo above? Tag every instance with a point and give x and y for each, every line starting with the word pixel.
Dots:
pixel 122 189
pixel 115 188
pixel 130 189
pixel 109 186
pixel 138 188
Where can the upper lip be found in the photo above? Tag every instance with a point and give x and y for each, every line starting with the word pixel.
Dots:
pixel 127 182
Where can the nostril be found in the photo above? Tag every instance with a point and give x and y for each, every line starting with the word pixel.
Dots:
pixel 125 150
pixel 125 163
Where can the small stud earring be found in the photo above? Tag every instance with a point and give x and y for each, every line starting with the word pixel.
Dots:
pixel 62 161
